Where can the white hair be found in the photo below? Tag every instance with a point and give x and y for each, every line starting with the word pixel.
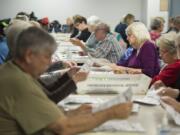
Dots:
pixel 13 31
pixel 139 30
pixel 93 20
pixel 167 42
pixel 177 43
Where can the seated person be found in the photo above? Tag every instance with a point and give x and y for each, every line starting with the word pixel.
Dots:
pixel 69 27
pixel 25 109
pixel 80 23
pixel 169 95
pixel 22 16
pixel 144 56
pixel 61 85
pixel 157 26
pixel 175 24
pixel 73 30
pixel 102 44
pixel 170 24
pixel 121 27
pixel 93 22
pixel 168 53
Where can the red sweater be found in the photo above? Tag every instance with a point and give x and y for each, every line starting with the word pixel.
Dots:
pixel 169 75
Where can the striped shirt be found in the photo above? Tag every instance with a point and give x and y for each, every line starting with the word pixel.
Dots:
pixel 109 48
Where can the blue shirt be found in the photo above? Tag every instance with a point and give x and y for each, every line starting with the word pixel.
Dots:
pixel 3 50
pixel 126 56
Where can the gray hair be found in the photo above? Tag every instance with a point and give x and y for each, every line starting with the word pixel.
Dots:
pixel 103 26
pixel 93 20
pixel 177 41
pixel 35 39
pixel 128 19
pixel 13 31
pixel 156 23
pixel 177 23
pixel 167 42
pixel 139 30
pixel 22 17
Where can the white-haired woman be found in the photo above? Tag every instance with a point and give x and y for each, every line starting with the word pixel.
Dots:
pixel 169 95
pixel 144 58
pixel 168 53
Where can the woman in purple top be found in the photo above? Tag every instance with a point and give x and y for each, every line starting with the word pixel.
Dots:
pixel 144 58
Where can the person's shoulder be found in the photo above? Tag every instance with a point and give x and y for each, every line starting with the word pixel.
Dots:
pixel 13 77
pixel 149 45
pixel 85 30
pixel 177 63
pixel 111 36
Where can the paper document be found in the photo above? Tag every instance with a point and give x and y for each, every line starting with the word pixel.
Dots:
pixel 120 125
pixel 121 98
pixel 135 108
pixel 151 98
pixel 82 99
pixel 173 113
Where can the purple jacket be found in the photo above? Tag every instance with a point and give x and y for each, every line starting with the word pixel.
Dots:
pixel 147 59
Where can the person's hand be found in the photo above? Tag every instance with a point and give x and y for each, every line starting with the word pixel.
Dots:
pixel 133 71
pixel 80 76
pixel 158 84
pixel 72 71
pixel 69 64
pixel 118 69
pixel 122 110
pixel 172 102
pixel 76 41
pixel 114 66
pixel 96 64
pixel 168 92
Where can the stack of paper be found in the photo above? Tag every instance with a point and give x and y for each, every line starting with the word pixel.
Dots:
pixel 107 82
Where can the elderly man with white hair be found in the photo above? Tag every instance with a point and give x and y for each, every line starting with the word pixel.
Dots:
pixel 102 44
pixel 57 86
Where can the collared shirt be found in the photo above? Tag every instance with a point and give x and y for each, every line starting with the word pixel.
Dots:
pixel 109 48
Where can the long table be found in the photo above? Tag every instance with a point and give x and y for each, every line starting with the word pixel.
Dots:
pixel 150 117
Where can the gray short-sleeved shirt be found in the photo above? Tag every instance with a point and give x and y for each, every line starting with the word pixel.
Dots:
pixel 24 108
